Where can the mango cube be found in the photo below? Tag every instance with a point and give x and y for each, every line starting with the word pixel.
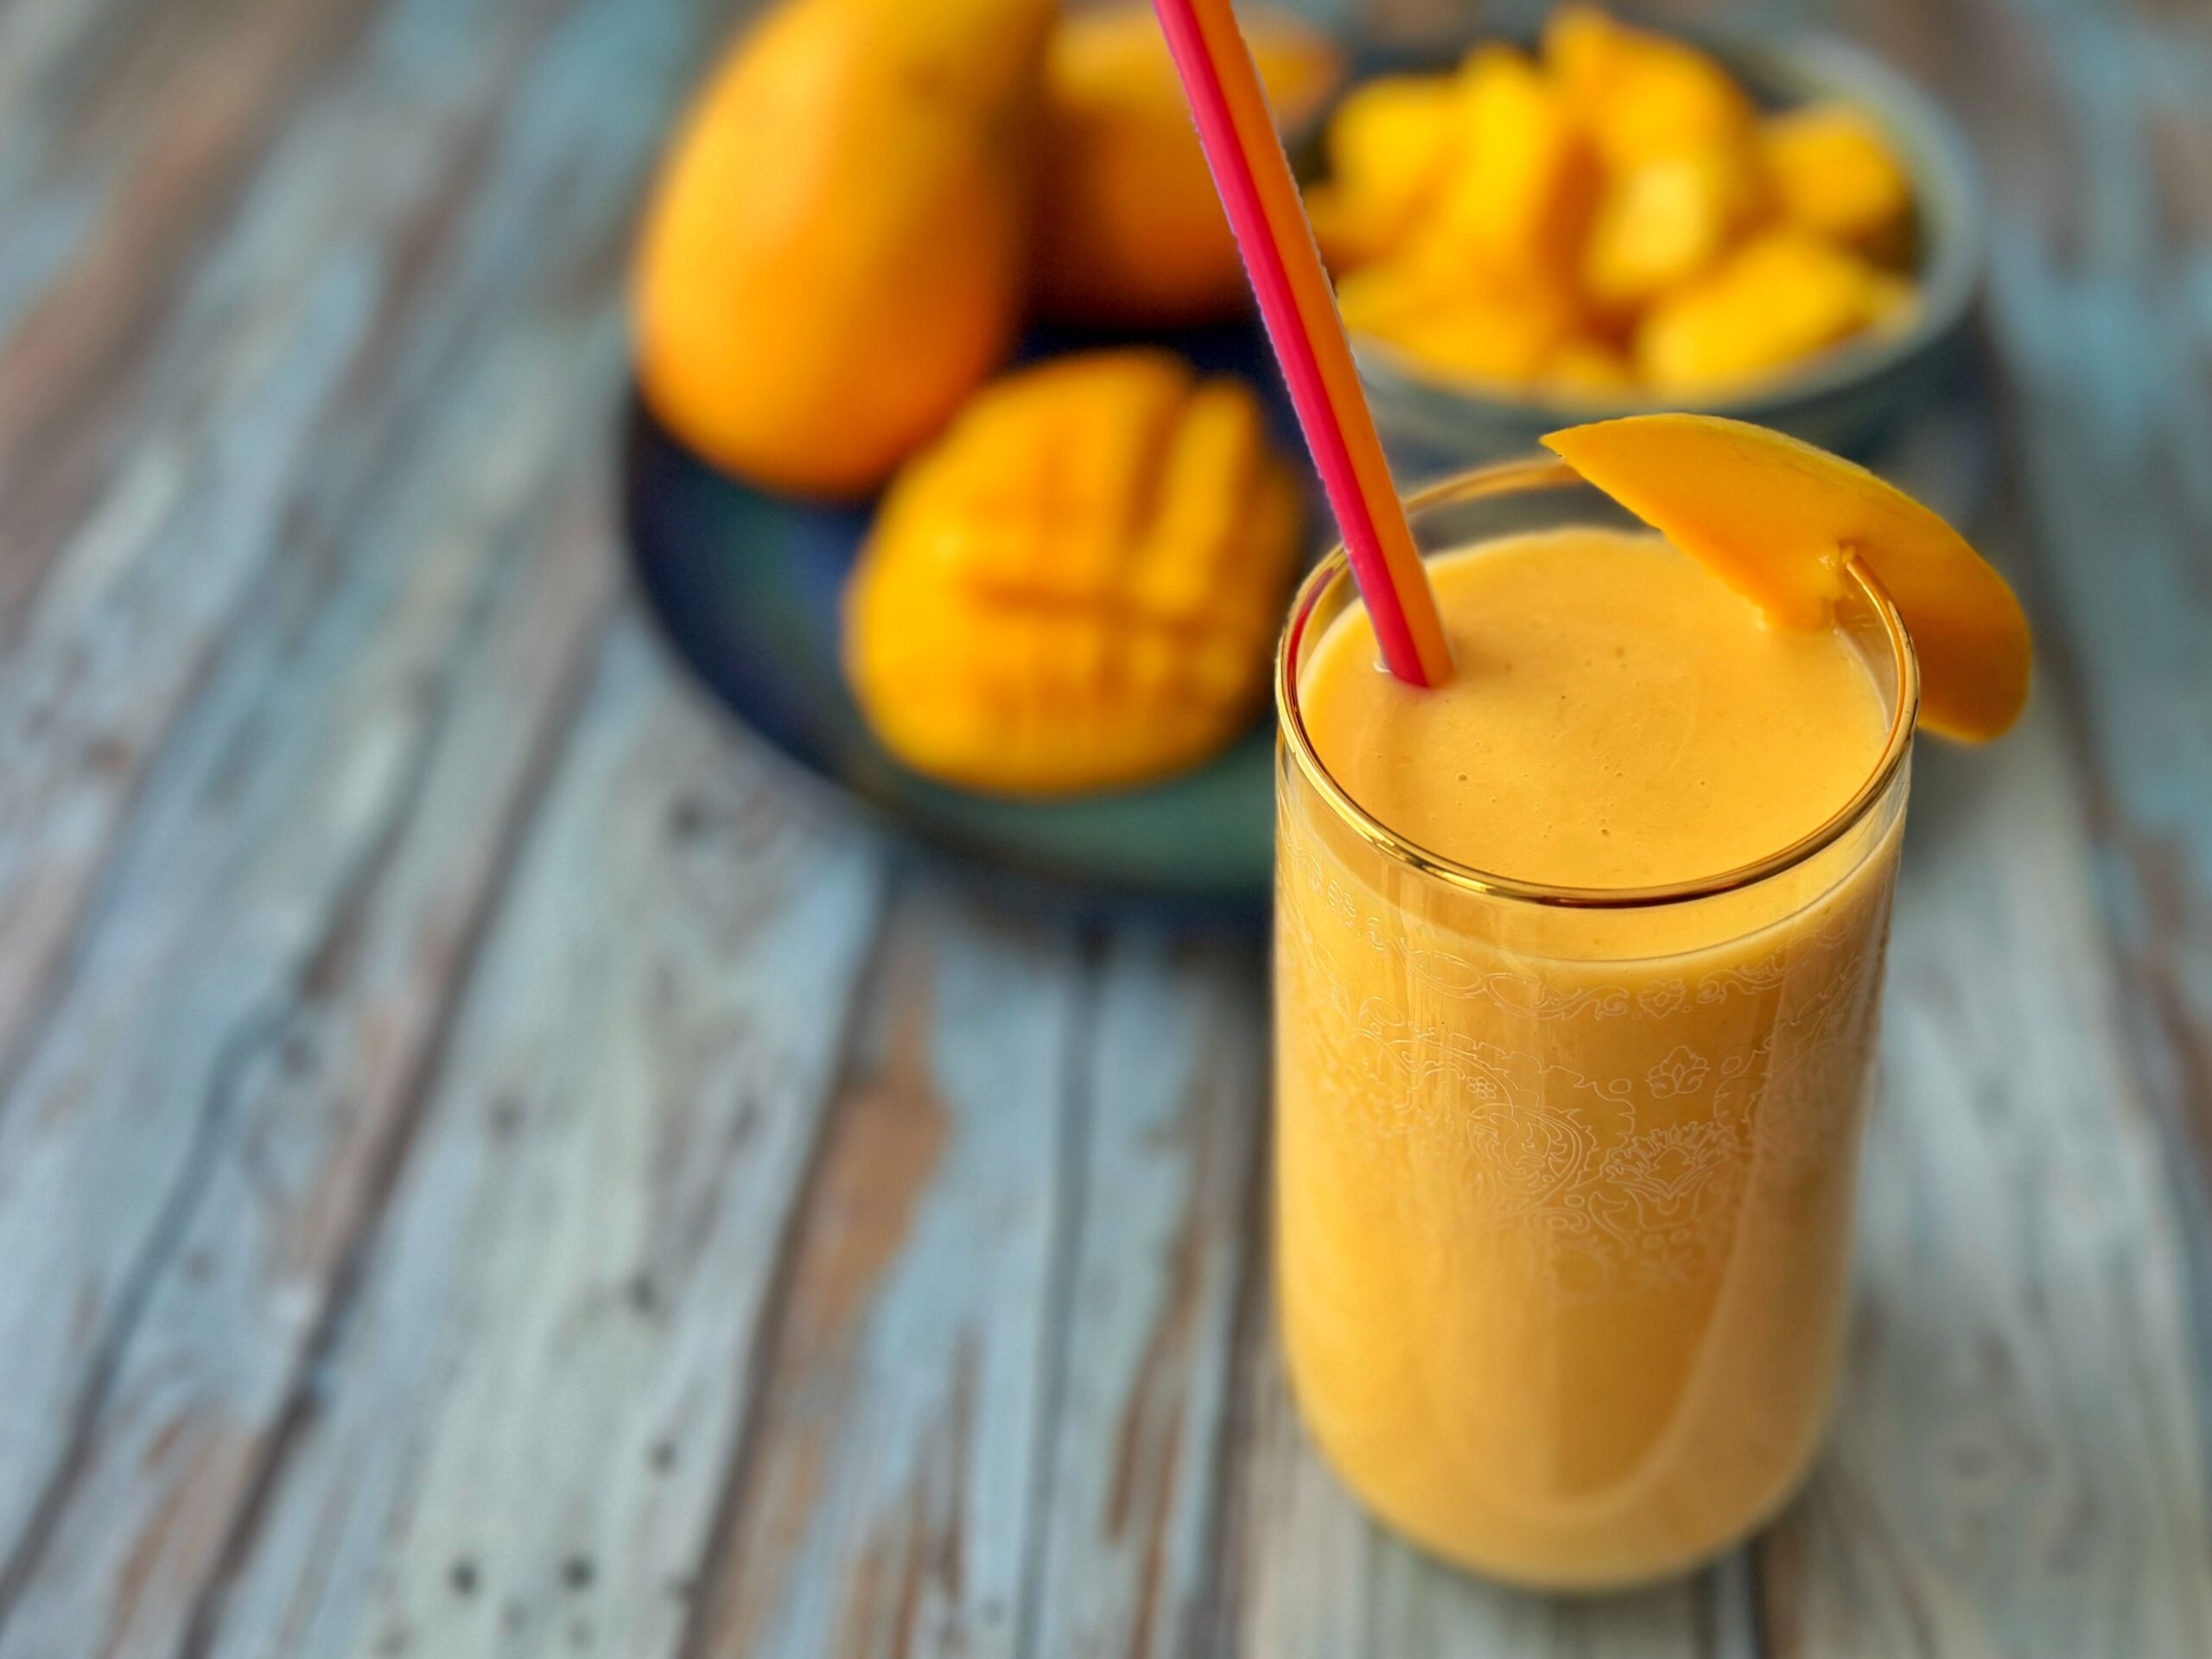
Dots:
pixel 1613 215
pixel 1782 296
pixel 1349 228
pixel 1834 174
pixel 1391 143
pixel 1461 319
pixel 1522 194
pixel 1666 220
pixel 1376 298
pixel 1641 95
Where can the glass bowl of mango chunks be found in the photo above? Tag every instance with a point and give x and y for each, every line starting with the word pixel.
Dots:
pixel 1588 218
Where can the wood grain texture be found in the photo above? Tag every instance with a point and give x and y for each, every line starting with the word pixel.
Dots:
pixel 245 850
pixel 273 713
pixel 1170 1199
pixel 882 1502
pixel 517 1441
pixel 2016 1466
pixel 263 1073
pixel 2021 1463
pixel 338 287
pixel 477 1176
pixel 995 1418
pixel 2109 345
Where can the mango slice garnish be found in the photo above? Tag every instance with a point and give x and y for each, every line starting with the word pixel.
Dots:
pixel 1778 519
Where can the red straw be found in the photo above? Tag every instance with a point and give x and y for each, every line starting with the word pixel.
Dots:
pixel 1260 197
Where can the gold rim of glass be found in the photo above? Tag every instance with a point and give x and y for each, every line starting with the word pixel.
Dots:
pixel 1504 478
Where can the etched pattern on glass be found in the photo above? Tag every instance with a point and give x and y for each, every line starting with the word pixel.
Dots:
pixel 1630 1170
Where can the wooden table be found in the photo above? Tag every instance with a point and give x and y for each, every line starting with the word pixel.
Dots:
pixel 486 1167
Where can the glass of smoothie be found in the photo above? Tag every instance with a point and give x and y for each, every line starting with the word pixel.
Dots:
pixel 1577 961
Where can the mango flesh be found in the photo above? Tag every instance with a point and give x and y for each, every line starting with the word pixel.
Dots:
pixel 1641 94
pixel 1392 143
pixel 1664 221
pixel 1077 589
pixel 1350 230
pixel 1589 369
pixel 1519 205
pixel 1501 183
pixel 1129 230
pixel 1457 319
pixel 1832 173
pixel 1623 192
pixel 836 252
pixel 1780 298
pixel 1776 519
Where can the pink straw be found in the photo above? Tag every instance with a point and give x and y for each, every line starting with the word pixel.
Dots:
pixel 1253 176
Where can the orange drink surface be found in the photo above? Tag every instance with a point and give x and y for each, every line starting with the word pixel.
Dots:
pixel 1578 960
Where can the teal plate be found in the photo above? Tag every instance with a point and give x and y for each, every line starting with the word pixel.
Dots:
pixel 745 586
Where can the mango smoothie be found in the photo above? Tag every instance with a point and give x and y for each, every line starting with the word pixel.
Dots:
pixel 1577 961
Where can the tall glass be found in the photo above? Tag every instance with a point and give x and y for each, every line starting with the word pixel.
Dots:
pixel 1564 1177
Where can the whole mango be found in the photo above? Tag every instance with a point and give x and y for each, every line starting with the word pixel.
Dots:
pixel 1129 230
pixel 834 257
pixel 1077 588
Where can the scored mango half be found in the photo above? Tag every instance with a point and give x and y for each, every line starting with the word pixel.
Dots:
pixel 1778 519
pixel 1077 586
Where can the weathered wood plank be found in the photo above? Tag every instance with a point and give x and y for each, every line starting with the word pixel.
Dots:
pixel 518 1442
pixel 245 858
pixel 387 855
pixel 327 546
pixel 283 352
pixel 2021 1461
pixel 2016 1468
pixel 2110 352
pixel 1177 1087
pixel 143 136
pixel 884 1502
pixel 202 469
